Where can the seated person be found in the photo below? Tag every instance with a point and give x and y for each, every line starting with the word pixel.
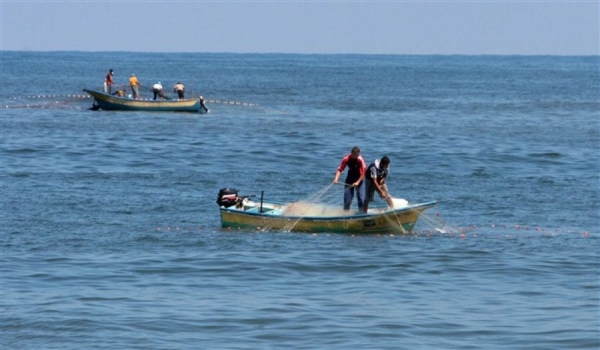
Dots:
pixel 120 93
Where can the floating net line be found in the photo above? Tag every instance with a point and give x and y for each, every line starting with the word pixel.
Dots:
pixel 475 231
pixel 35 101
pixel 58 100
pixel 232 103
pixel 430 224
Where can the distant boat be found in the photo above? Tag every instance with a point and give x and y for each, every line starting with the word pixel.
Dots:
pixel 108 102
pixel 243 213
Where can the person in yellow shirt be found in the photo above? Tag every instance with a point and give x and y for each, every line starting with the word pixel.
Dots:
pixel 133 81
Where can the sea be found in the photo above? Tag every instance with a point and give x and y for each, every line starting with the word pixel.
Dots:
pixel 110 235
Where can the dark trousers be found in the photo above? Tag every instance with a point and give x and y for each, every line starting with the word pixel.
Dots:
pixel 158 93
pixel 349 195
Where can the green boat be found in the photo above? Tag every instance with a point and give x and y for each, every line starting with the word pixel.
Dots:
pixel 103 101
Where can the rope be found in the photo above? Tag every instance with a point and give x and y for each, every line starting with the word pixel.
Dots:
pixel 311 202
pixel 399 223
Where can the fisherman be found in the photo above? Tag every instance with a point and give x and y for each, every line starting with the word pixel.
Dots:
pixel 354 178
pixel 375 177
pixel 108 82
pixel 134 83
pixel 157 89
pixel 203 105
pixel 179 88
pixel 119 93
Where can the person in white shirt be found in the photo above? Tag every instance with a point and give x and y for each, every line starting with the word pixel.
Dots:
pixel 157 89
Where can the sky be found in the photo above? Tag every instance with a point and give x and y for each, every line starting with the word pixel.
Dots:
pixel 495 27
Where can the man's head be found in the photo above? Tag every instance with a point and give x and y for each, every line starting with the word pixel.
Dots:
pixel 355 152
pixel 384 163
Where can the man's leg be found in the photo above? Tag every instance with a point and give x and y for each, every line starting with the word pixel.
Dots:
pixel 369 195
pixel 360 196
pixel 348 195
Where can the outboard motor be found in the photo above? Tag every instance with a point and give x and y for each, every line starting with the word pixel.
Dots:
pixel 227 197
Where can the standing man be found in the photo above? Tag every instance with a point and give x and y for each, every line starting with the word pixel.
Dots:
pixel 179 89
pixel 376 175
pixel 354 178
pixel 134 83
pixel 108 82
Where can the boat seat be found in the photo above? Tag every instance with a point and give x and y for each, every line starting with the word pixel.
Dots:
pixel 257 210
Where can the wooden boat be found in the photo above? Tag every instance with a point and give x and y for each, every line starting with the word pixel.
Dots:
pixel 244 213
pixel 112 102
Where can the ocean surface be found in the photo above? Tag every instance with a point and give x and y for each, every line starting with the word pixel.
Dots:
pixel 110 237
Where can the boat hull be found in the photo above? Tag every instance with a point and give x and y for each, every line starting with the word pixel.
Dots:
pixel 381 221
pixel 110 102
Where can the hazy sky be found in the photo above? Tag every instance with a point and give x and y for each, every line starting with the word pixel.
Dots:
pixel 381 27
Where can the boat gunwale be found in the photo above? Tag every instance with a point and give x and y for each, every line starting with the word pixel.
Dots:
pixel 127 100
pixel 409 208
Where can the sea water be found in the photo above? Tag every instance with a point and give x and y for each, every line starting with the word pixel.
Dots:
pixel 110 235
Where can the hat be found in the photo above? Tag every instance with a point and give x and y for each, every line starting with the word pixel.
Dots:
pixel 110 70
pixel 133 75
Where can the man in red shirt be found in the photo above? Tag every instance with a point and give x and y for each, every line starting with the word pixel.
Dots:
pixel 354 178
pixel 109 81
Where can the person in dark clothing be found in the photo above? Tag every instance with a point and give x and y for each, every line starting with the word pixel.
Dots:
pixel 375 177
